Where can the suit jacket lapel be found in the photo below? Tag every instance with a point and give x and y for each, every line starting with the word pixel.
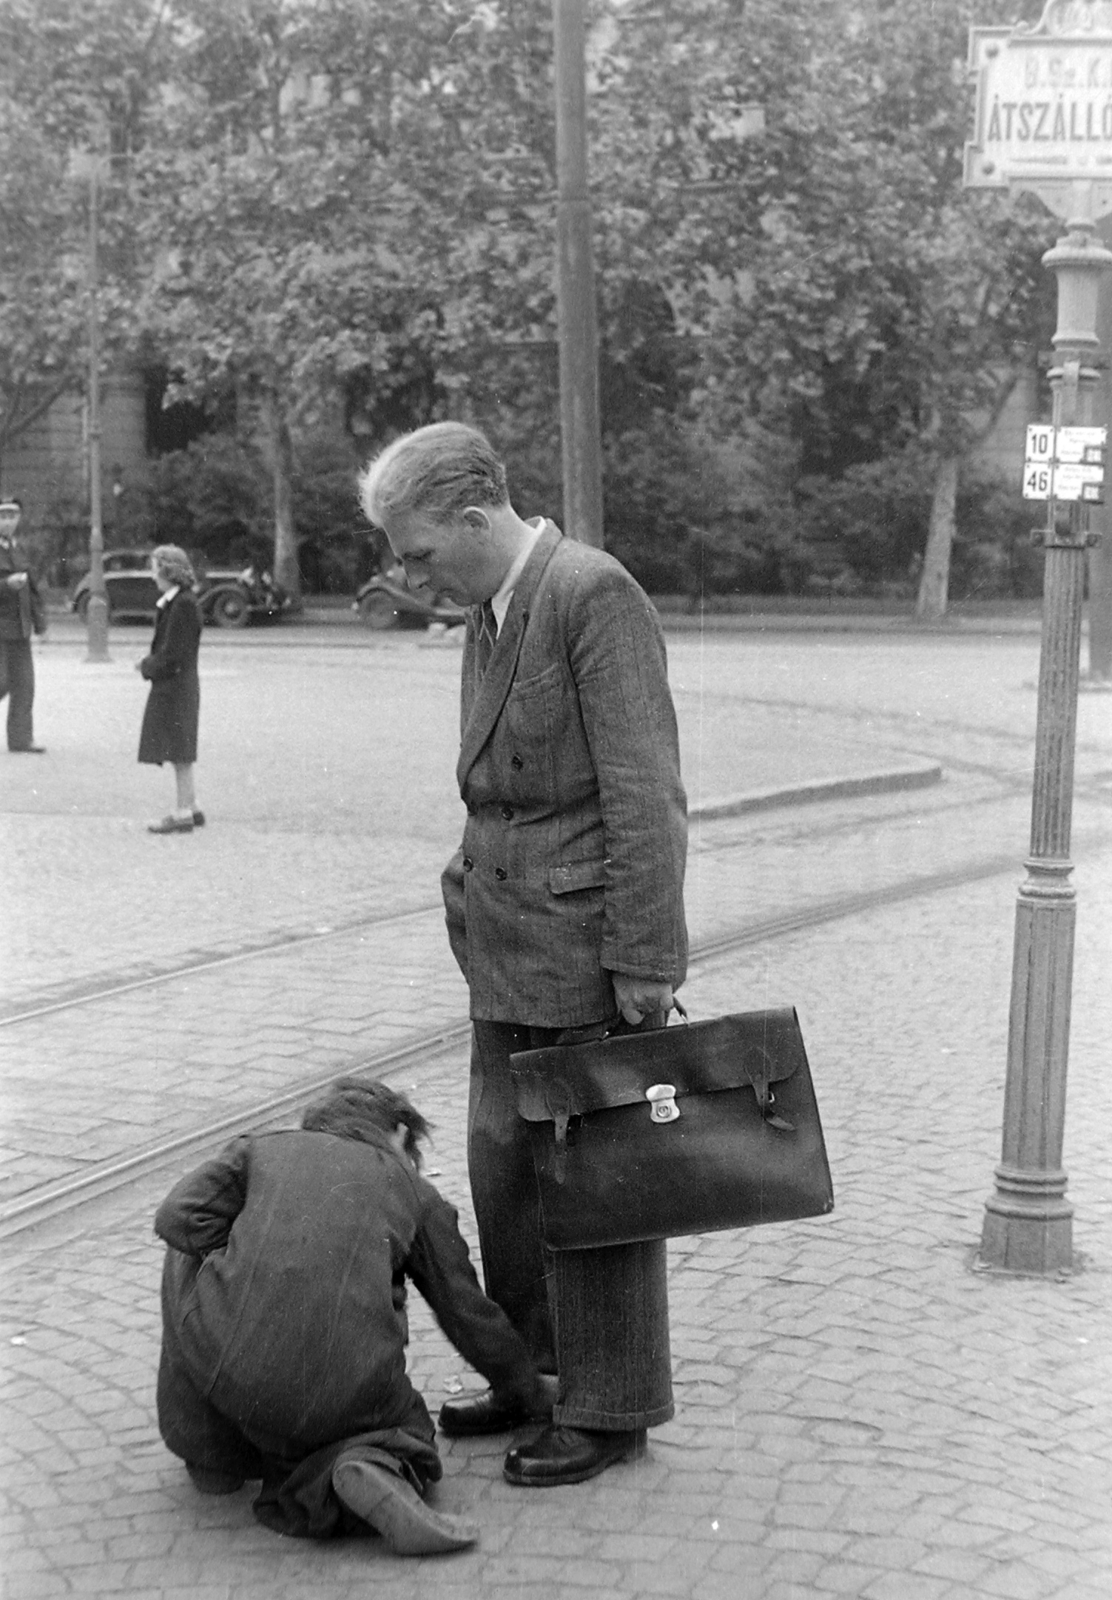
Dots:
pixel 483 699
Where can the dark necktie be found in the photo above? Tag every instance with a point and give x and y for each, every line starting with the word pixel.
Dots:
pixel 488 633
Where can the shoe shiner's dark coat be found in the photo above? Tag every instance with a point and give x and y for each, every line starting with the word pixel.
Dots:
pixel 284 1322
pixel 169 731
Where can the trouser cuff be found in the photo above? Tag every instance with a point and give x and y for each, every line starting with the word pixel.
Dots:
pixel 612 1421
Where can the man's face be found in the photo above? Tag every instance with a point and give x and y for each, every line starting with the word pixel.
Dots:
pixel 452 558
pixel 9 521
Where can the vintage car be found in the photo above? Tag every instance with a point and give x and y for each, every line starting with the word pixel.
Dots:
pixel 385 601
pixel 229 598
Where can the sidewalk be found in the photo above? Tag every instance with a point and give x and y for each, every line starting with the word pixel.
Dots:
pixel 858 1412
pixel 744 613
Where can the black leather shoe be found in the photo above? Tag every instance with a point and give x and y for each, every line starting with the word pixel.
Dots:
pixel 28 750
pixel 198 819
pixel 569 1455
pixel 482 1413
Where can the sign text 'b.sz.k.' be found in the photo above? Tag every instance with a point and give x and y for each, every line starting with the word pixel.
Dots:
pixel 1044 100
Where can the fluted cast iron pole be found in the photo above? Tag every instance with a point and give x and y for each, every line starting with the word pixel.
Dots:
pixel 1028 1224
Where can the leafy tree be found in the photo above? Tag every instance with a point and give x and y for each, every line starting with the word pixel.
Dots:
pixel 42 276
pixel 845 289
pixel 317 203
pixel 75 75
pixel 263 203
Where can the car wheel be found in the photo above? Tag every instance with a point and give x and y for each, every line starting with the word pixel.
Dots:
pixel 378 611
pixel 230 610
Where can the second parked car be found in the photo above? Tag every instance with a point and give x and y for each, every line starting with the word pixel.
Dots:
pixel 228 597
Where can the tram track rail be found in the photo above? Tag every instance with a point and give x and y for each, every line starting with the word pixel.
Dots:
pixel 68 1196
pixel 90 991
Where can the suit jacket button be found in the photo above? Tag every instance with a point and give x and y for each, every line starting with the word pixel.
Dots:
pixel 516 763
pixel 501 874
pixel 507 812
pixel 467 863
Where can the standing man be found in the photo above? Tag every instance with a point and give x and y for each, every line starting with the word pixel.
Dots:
pixel 21 614
pixel 564 905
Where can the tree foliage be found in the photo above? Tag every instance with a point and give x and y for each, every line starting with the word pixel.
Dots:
pixel 341 212
pixel 76 77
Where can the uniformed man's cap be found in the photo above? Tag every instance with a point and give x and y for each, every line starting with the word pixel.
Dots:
pixel 11 504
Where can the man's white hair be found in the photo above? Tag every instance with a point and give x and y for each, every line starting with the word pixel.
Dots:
pixel 436 471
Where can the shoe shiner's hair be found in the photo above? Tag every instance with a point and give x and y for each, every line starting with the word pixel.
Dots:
pixel 360 1108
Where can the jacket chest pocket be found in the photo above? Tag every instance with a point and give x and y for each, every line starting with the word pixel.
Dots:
pixel 530 723
pixel 542 726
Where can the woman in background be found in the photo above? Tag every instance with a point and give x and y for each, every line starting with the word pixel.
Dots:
pixel 169 730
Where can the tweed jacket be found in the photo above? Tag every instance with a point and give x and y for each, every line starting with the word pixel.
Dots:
pixel 575 842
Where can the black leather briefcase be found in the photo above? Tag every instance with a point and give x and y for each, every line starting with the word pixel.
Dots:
pixel 684 1130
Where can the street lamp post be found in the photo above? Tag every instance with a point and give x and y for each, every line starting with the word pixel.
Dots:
pixel 1028 1223
pixel 90 164
pixel 1066 57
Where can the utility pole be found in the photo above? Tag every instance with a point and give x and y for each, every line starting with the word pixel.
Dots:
pixel 90 164
pixel 580 433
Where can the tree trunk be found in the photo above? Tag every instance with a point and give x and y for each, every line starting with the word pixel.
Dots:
pixel 934 580
pixel 287 572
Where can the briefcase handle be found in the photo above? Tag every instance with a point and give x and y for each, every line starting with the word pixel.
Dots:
pixel 595 1032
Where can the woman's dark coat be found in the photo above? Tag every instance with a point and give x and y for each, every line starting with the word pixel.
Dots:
pixel 170 721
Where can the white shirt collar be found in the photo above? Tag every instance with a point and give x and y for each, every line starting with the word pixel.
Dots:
pixel 164 599
pixel 500 602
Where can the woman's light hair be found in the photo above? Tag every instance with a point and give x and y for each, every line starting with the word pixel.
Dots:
pixel 172 563
pixel 437 472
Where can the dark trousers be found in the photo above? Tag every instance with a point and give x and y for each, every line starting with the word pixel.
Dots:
pixel 599 1318
pixel 17 681
pixel 296 1496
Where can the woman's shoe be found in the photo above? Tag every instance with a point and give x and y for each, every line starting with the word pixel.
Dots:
pixel 198 819
pixel 171 824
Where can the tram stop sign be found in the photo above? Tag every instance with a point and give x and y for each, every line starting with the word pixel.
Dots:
pixel 1044 107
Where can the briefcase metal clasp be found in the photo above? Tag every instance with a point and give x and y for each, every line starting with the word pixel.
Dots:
pixel 662 1101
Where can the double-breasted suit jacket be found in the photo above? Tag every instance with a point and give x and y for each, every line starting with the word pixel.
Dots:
pixel 169 731
pixel 575 842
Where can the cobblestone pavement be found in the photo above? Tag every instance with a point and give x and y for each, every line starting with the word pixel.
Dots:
pixel 858 1411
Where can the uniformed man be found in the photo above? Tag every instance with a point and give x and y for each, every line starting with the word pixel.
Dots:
pixel 21 614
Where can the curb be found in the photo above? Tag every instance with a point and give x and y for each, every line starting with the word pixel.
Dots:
pixel 891 781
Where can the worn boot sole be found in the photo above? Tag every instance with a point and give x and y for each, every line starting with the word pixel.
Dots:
pixel 396 1510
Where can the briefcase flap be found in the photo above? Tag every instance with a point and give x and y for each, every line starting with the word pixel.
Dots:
pixel 751 1049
